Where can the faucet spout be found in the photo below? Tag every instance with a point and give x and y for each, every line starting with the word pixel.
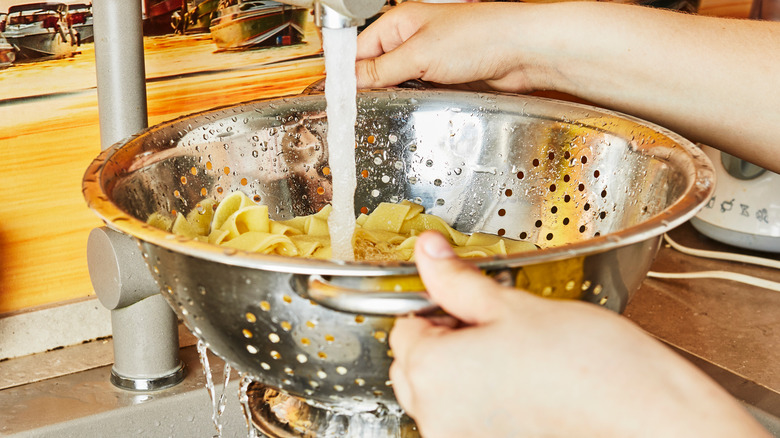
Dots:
pixel 339 14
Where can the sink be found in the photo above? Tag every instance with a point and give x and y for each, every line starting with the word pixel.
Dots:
pixel 86 404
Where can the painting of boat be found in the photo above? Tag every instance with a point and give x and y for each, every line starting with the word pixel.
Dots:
pixel 7 52
pixel 39 30
pixel 80 19
pixel 197 18
pixel 157 15
pixel 245 24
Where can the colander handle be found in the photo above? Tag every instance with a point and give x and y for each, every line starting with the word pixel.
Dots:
pixel 363 302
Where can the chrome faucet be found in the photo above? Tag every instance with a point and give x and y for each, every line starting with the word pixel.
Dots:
pixel 338 14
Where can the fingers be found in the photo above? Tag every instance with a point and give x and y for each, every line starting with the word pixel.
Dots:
pixel 404 338
pixel 384 55
pixel 458 287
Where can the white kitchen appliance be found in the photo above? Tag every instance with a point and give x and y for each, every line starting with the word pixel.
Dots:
pixel 744 211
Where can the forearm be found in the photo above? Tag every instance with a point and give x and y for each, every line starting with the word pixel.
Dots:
pixel 712 80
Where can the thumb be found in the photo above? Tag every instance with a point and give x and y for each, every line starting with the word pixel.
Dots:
pixel 458 287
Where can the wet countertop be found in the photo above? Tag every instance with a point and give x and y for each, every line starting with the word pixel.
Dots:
pixel 730 330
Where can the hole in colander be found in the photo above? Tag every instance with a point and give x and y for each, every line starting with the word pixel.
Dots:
pixel 501 231
pixel 360 319
pixel 597 290
pixel 247 333
pixel 596 174
pixel 311 324
pixel 520 175
pixel 274 338
pixel 554 209
pixel 265 366
pixel 250 317
pixel 582 228
pixel 538 223
pixel 566 178
pixel 566 155
pixel 341 370
pixel 502 212
pixel 360 382
pixel 508 192
pixel 302 358
pixel 287 299
pixel 586 207
pixel 322 374
pixel 209 166
pixel 265 305
pixel 330 338
pixel 380 335
pixel 535 162
pixel 322 355
pixel 275 354
pixel 603 214
pixel 286 326
pixel 244 181
pixel 523 235
pixel 566 198
pixel 604 193
pixel 251 349
pixel 549 236
pixel 552 187
pixel 306 341
pixel 581 187
pixel 584 159
pixel 551 156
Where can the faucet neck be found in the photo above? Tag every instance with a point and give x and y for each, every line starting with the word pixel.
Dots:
pixel 325 16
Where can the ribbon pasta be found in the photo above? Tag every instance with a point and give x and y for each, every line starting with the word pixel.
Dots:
pixel 388 233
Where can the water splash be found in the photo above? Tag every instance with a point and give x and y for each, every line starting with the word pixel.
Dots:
pixel 243 400
pixel 218 403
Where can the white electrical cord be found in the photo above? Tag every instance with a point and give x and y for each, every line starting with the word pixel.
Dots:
pixel 723 275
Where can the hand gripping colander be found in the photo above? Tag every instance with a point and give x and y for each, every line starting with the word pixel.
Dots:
pixel 596 190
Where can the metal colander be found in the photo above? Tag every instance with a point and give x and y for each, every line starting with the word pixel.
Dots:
pixel 595 189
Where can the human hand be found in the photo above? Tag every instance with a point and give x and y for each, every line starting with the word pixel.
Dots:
pixel 528 366
pixel 476 44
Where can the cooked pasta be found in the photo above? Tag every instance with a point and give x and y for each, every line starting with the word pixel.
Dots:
pixel 387 233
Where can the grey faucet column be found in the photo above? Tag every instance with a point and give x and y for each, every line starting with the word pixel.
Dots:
pixel 146 343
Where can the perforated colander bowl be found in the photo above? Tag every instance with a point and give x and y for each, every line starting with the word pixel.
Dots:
pixel 593 188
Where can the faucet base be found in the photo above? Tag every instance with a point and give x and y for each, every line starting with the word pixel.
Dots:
pixel 151 384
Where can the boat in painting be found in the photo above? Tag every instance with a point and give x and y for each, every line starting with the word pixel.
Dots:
pixel 157 15
pixel 40 30
pixel 7 52
pixel 197 18
pixel 80 19
pixel 245 24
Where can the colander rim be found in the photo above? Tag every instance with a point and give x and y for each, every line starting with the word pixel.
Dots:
pixel 697 192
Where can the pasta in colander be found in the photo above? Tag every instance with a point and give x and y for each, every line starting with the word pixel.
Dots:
pixel 387 233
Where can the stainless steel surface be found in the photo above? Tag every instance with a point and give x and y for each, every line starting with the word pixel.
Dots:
pixel 359 301
pixel 85 404
pixel 594 188
pixel 328 18
pixel 149 384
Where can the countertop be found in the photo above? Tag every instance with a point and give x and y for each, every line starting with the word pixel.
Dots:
pixel 730 330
